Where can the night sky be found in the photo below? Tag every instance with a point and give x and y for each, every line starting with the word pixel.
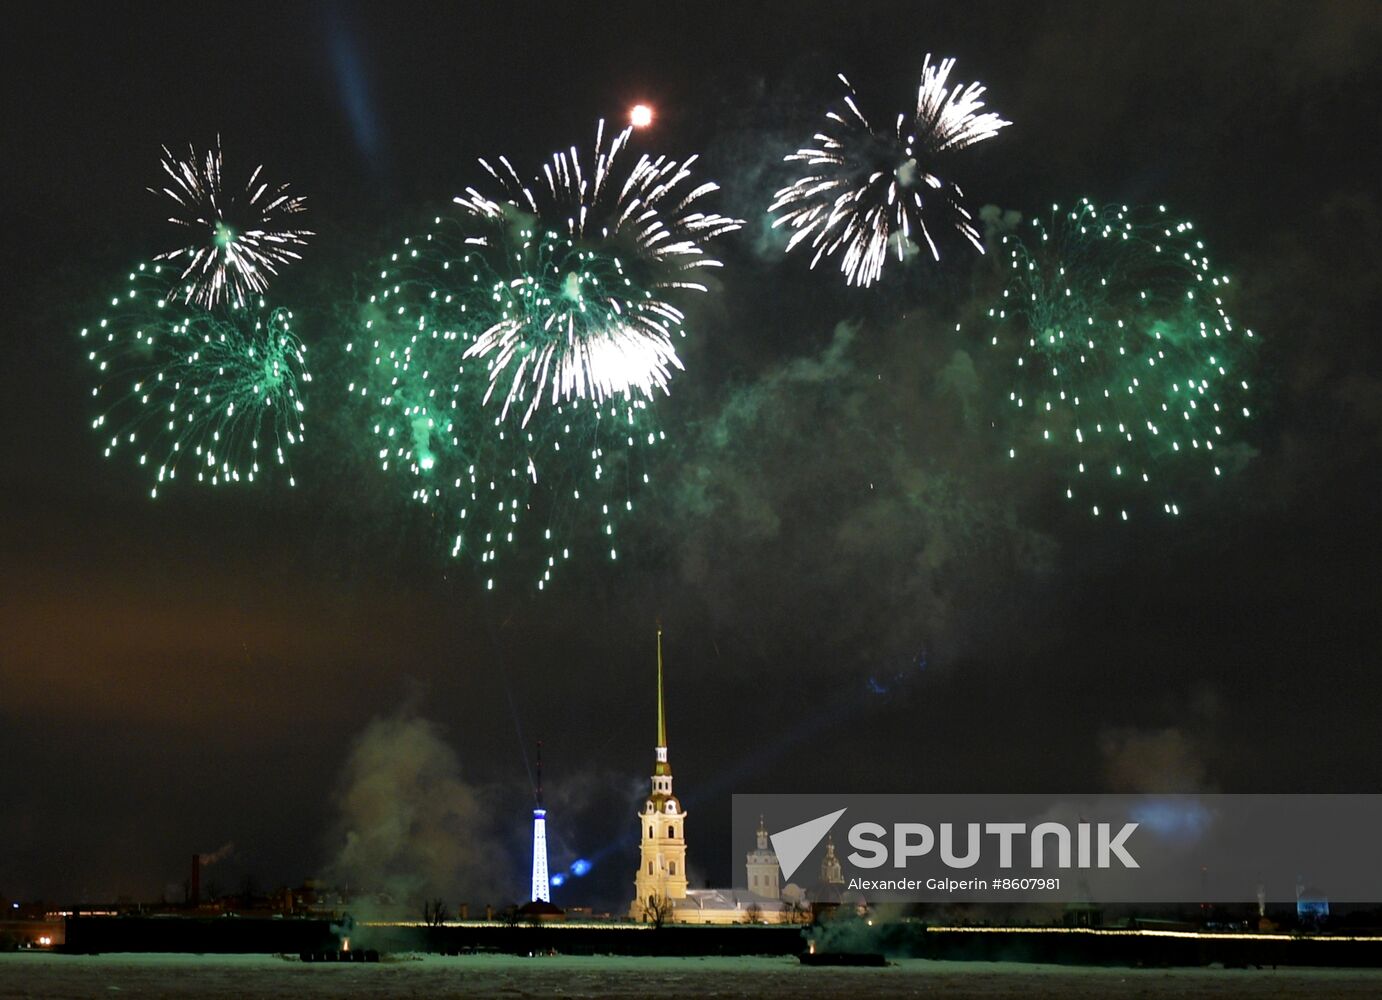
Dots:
pixel 858 593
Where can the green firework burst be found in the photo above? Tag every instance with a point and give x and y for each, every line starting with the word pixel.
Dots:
pixel 523 484
pixel 211 395
pixel 1127 370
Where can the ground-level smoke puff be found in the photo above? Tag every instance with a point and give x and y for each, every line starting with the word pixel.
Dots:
pixel 409 825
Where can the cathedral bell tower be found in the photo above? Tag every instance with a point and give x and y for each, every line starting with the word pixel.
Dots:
pixel 661 877
pixel 762 866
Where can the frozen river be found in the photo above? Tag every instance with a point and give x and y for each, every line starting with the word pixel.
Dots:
pixel 423 977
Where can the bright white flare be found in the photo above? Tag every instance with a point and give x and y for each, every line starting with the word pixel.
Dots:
pixel 869 191
pixel 237 241
pixel 640 116
pixel 601 252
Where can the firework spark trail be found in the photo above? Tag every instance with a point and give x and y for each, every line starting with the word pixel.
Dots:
pixel 237 241
pixel 867 192
pixel 600 256
pixel 183 387
pixel 1127 368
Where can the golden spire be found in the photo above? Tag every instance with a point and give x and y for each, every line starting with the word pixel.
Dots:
pixel 661 719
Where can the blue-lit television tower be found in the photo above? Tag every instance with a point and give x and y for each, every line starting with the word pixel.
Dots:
pixel 541 889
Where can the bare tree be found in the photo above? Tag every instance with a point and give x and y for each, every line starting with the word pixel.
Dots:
pixel 434 913
pixel 754 914
pixel 657 910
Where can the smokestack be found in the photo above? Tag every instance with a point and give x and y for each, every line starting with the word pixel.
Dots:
pixel 196 888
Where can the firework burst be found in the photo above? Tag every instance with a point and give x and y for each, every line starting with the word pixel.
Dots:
pixel 528 490
pixel 869 193
pixel 212 396
pixel 592 257
pixel 236 240
pixel 1128 371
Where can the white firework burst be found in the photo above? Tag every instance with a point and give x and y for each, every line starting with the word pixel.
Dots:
pixel 869 192
pixel 590 259
pixel 236 240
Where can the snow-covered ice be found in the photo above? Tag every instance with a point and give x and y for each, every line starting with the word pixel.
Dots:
pixel 223 977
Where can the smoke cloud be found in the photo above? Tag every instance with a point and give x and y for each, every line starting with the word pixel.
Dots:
pixel 410 826
pixel 1164 760
pixel 910 508
pixel 220 854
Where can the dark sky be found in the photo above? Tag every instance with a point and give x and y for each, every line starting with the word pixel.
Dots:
pixel 858 594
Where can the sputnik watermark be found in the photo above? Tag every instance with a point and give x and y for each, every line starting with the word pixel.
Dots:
pixel 1086 849
pixel 1089 845
pixel 1095 844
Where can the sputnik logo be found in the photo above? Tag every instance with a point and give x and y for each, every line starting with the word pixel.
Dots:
pixel 794 844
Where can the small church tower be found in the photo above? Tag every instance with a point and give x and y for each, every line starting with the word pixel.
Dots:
pixel 762 867
pixel 661 878
pixel 831 872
